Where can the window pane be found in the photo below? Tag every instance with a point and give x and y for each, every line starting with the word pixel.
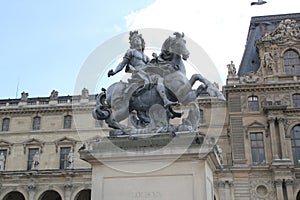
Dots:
pixel 254 156
pixel 63 163
pixel 259 136
pixel 260 144
pixel 261 156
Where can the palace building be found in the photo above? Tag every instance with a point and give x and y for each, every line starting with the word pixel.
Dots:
pixel 258 144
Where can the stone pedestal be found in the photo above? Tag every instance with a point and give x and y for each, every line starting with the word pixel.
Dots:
pixel 159 167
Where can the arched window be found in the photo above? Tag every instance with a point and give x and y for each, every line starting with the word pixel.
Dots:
pixel 296 100
pixel 36 123
pixel 253 103
pixel 291 62
pixel 67 121
pixel 295 139
pixel 5 124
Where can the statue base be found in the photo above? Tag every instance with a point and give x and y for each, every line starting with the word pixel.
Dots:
pixel 156 167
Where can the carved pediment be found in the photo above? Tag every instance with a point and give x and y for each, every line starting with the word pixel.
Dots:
pixel 33 142
pixel 255 126
pixel 65 141
pixel 286 30
pixel 5 144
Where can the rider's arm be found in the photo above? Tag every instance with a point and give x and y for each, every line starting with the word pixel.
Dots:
pixel 122 64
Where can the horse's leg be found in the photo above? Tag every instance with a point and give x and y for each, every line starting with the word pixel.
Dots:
pixel 198 77
pixel 212 91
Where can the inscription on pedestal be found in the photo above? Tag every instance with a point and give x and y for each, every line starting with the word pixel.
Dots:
pixel 149 187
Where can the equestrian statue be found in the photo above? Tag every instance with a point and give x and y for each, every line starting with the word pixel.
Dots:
pixel 156 85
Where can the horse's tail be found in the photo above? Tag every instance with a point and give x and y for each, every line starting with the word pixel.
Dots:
pixel 102 110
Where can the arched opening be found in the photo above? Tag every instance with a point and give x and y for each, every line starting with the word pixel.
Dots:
pixel 50 195
pixel 14 196
pixel 295 140
pixel 83 195
pixel 298 196
pixel 291 62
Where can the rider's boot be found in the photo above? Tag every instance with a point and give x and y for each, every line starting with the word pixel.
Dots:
pixel 161 90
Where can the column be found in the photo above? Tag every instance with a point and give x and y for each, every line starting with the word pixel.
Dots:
pixel 274 146
pixel 227 190
pixel 278 187
pixel 68 190
pixel 31 191
pixel 289 189
pixel 221 190
pixel 282 138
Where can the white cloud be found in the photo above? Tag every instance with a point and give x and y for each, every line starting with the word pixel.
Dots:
pixel 220 27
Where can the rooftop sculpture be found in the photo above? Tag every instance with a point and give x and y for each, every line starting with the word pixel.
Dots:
pixel 155 86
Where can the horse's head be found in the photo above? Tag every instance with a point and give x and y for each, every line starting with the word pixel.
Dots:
pixel 176 45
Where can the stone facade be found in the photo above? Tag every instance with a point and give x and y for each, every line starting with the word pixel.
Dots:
pixel 263 114
pixel 46 125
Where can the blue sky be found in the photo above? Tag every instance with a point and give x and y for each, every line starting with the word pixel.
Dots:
pixel 44 44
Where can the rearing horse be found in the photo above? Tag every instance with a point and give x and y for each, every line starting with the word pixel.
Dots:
pixel 113 106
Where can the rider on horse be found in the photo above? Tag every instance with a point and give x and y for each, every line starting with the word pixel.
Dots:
pixel 135 61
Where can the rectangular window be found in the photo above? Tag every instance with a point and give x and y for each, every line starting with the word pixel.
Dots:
pixel 257 148
pixel 36 124
pixel 31 153
pixel 3 154
pixel 63 161
pixel 253 103
pixel 5 124
pixel 67 121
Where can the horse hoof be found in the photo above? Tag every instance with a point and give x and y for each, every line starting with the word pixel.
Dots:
pixel 170 103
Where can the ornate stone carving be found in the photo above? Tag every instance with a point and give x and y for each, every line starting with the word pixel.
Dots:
pixel 53 95
pixel 286 30
pixel 262 189
pixel 278 183
pixel 289 182
pixel 24 96
pixel 231 69
pixel 85 93
pixel 250 77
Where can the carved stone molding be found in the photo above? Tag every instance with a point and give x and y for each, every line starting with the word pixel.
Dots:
pixel 289 182
pixel 286 30
pixel 65 141
pixel 278 183
pixel 33 142
pixel 262 189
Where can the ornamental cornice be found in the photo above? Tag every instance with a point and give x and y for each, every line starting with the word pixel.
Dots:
pixel 274 18
pixel 48 109
pixel 263 87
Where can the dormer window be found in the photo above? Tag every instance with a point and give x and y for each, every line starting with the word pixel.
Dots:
pixel 253 103
pixel 296 100
pixel 291 62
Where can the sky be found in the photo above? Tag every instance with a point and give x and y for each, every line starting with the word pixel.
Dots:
pixel 44 44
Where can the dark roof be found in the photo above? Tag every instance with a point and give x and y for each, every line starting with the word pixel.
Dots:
pixel 258 26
